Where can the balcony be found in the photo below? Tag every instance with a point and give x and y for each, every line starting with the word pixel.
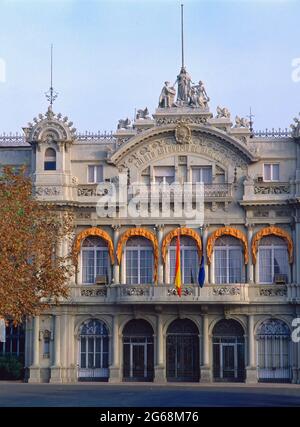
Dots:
pixel 212 192
pixel 268 191
pixel 164 294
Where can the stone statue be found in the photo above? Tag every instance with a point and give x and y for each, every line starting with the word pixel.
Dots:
pixel 296 127
pixel 223 113
pixel 167 96
pixel 241 122
pixel 124 124
pixel 142 114
pixel 184 87
pixel 198 96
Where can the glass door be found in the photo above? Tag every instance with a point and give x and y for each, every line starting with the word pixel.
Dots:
pixel 228 361
pixel 138 353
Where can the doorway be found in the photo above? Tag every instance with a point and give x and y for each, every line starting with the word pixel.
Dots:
pixel 138 352
pixel 228 351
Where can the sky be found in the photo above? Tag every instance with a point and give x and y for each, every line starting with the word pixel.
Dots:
pixel 112 57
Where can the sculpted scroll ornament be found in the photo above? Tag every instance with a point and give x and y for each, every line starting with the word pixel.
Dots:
pixel 143 233
pixel 276 231
pixel 184 231
pixel 226 231
pixel 93 231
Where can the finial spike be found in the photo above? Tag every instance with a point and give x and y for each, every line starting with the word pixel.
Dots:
pixel 51 95
pixel 251 117
pixel 182 39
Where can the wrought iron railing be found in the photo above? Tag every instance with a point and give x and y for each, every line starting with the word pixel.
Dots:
pixel 273 133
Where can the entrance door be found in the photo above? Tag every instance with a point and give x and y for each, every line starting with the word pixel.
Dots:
pixel 138 364
pixel 228 351
pixel 182 351
pixel 93 351
pixel 228 361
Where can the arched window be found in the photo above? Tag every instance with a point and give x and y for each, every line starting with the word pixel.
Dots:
pixel 273 352
pixel 139 261
pixel 189 260
pixel 95 261
pixel 50 160
pixel 273 260
pixel 228 257
pixel 93 363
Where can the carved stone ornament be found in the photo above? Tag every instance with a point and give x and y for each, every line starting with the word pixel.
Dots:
pixel 183 134
pixel 50 127
pixel 227 290
pixel 47 191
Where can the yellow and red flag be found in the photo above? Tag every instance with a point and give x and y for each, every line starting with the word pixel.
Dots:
pixel 178 267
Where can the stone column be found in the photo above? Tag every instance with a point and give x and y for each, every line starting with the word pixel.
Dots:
pixel 123 267
pixel 297 250
pixel 206 374
pixel 250 277
pixel 294 265
pixel 212 269
pixel 56 367
pixel 160 234
pixel 116 268
pixel 115 369
pixel 204 243
pixel 160 367
pixel 251 374
pixel 34 370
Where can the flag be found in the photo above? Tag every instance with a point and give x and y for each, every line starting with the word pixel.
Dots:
pixel 2 330
pixel 201 275
pixel 178 267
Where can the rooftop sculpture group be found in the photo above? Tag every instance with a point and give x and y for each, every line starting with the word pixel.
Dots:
pixel 189 94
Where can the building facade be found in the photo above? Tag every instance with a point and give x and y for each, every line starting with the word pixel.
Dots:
pixel 123 319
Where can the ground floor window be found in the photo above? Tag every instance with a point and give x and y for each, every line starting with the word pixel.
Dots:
pixel 94 351
pixel 14 342
pixel 273 351
pixel 12 353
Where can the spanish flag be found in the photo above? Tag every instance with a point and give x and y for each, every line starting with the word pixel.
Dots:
pixel 177 267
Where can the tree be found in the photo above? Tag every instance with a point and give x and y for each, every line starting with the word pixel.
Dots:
pixel 33 272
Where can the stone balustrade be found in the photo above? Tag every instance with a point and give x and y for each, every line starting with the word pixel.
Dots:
pixel 164 294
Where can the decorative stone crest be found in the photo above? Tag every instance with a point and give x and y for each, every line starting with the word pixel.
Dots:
pixel 50 127
pixel 183 134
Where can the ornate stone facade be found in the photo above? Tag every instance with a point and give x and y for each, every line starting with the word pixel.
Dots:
pixel 183 140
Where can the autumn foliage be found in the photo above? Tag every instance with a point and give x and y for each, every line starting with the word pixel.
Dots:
pixel 33 270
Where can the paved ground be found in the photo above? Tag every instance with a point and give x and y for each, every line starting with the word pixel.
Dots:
pixel 139 395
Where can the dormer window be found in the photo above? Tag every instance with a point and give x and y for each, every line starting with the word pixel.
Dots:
pixel 50 160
